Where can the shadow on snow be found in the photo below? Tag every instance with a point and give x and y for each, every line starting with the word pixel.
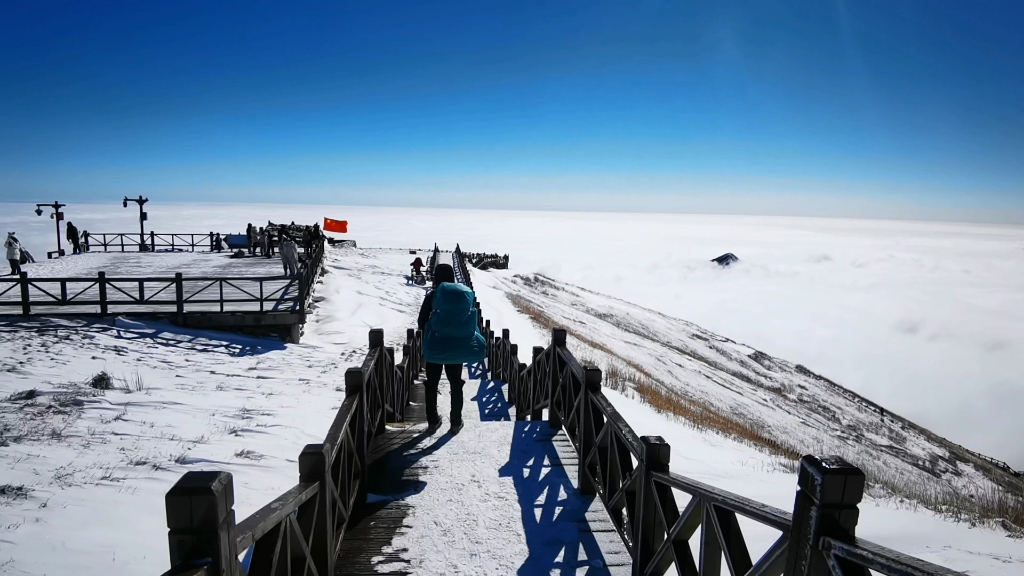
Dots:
pixel 553 512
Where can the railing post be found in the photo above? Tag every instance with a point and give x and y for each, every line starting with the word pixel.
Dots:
pixel 179 296
pixel 152 242
pixel 377 342
pixel 533 397
pixel 387 375
pixel 102 283
pixel 354 384
pixel 314 467
pixel 26 308
pixel 557 342
pixel 585 427
pixel 828 491
pixel 649 532
pixel 201 522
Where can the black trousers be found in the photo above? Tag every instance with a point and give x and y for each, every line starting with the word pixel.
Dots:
pixel 454 373
pixel 16 268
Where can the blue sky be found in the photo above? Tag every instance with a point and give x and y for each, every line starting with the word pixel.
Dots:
pixel 884 109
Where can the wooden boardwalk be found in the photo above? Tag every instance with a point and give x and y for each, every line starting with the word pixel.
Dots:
pixel 378 523
pixel 564 532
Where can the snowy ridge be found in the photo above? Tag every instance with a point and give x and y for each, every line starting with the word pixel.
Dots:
pixel 796 408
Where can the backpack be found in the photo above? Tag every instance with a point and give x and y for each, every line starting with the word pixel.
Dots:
pixel 451 335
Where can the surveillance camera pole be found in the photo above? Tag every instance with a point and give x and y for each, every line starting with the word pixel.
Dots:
pixel 143 247
pixel 57 216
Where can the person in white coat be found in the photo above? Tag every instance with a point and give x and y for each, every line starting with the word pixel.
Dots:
pixel 290 257
pixel 13 253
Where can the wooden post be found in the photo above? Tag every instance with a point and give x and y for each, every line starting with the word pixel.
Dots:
pixel 585 427
pixel 314 467
pixel 387 378
pixel 828 491
pixel 26 308
pixel 354 380
pixel 201 522
pixel 102 282
pixel 63 292
pixel 648 531
pixel 534 395
pixel 152 242
pixel 557 342
pixel 179 296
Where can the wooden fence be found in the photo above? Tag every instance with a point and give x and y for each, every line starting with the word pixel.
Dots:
pixel 133 242
pixel 300 531
pixel 147 296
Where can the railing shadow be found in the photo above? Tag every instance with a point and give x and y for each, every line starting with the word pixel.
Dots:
pixel 490 399
pixel 387 478
pixel 156 332
pixel 552 509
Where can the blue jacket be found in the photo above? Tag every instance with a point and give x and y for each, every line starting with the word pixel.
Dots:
pixel 451 335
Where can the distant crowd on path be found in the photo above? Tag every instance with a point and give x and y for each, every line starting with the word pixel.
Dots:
pixel 16 254
pixel 451 339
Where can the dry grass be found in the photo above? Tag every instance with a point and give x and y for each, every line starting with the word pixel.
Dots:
pixel 624 374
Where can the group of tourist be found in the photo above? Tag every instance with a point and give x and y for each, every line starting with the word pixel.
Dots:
pixel 260 241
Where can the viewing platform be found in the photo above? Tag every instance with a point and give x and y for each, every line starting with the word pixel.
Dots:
pixel 191 287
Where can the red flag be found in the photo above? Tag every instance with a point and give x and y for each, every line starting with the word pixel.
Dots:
pixel 340 226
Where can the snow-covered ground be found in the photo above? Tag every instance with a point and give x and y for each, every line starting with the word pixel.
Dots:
pixel 922 317
pixel 210 398
pixel 246 405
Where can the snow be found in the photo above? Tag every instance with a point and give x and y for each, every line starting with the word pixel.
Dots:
pixel 219 401
pixel 211 400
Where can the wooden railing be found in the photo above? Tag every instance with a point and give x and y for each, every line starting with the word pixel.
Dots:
pixel 432 261
pixel 631 475
pixel 487 261
pixel 300 531
pixel 132 242
pixel 170 295
pixel 460 267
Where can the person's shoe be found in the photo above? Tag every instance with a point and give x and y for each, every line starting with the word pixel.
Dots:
pixel 433 425
pixel 455 428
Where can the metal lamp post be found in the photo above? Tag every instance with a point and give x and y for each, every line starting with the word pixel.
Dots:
pixel 57 216
pixel 143 247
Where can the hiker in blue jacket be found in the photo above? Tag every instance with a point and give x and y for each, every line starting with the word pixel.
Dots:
pixel 451 338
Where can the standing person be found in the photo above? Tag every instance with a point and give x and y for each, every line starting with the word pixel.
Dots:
pixel 451 338
pixel 270 242
pixel 261 237
pixel 307 240
pixel 218 244
pixel 13 253
pixel 289 257
pixel 250 237
pixel 85 239
pixel 72 234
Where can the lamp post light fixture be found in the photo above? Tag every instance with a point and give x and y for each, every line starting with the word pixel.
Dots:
pixel 143 246
pixel 57 216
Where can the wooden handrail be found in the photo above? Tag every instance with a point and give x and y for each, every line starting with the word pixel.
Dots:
pixel 313 514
